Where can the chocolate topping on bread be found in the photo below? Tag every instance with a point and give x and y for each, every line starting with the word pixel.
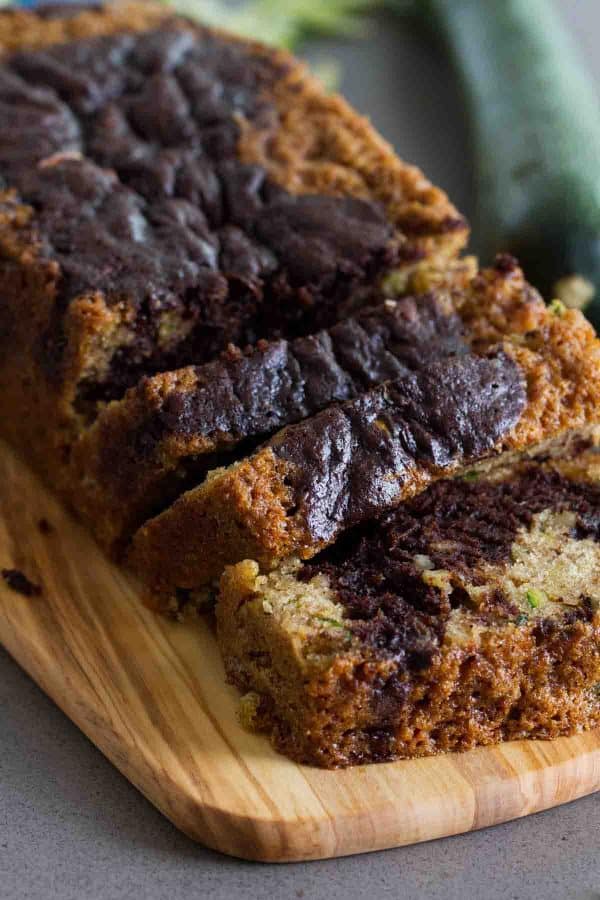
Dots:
pixel 254 393
pixel 352 461
pixel 347 464
pixel 170 190
pixel 126 148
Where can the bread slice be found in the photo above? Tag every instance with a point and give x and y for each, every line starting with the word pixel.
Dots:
pixel 468 616
pixel 169 190
pixel 533 382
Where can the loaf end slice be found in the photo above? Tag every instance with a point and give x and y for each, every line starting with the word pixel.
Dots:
pixel 467 617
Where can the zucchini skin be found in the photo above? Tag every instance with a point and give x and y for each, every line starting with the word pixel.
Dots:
pixel 536 125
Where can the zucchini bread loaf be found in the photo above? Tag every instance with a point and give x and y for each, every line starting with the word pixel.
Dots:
pixel 235 326
pixel 169 190
pixel 468 616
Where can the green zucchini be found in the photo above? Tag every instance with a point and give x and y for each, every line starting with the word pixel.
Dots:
pixel 284 23
pixel 536 125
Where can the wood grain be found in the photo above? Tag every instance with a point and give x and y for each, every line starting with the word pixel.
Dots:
pixel 152 696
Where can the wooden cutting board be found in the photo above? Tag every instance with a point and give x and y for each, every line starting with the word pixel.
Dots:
pixel 152 696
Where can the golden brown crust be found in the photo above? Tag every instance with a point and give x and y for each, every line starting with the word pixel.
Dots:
pixel 322 146
pixel 245 510
pixel 46 424
pixel 22 29
pixel 106 454
pixel 503 687
pixel 27 282
pixel 556 347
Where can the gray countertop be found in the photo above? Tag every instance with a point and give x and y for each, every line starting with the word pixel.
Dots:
pixel 72 827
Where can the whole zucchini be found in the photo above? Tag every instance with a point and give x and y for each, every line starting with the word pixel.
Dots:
pixel 536 124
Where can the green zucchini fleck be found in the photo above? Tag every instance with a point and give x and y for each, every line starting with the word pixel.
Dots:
pixel 535 598
pixel 333 622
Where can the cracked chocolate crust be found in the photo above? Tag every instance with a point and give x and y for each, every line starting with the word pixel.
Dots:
pixel 170 430
pixel 155 210
pixel 467 617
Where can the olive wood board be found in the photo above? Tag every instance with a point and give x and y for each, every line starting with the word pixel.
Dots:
pixel 151 694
